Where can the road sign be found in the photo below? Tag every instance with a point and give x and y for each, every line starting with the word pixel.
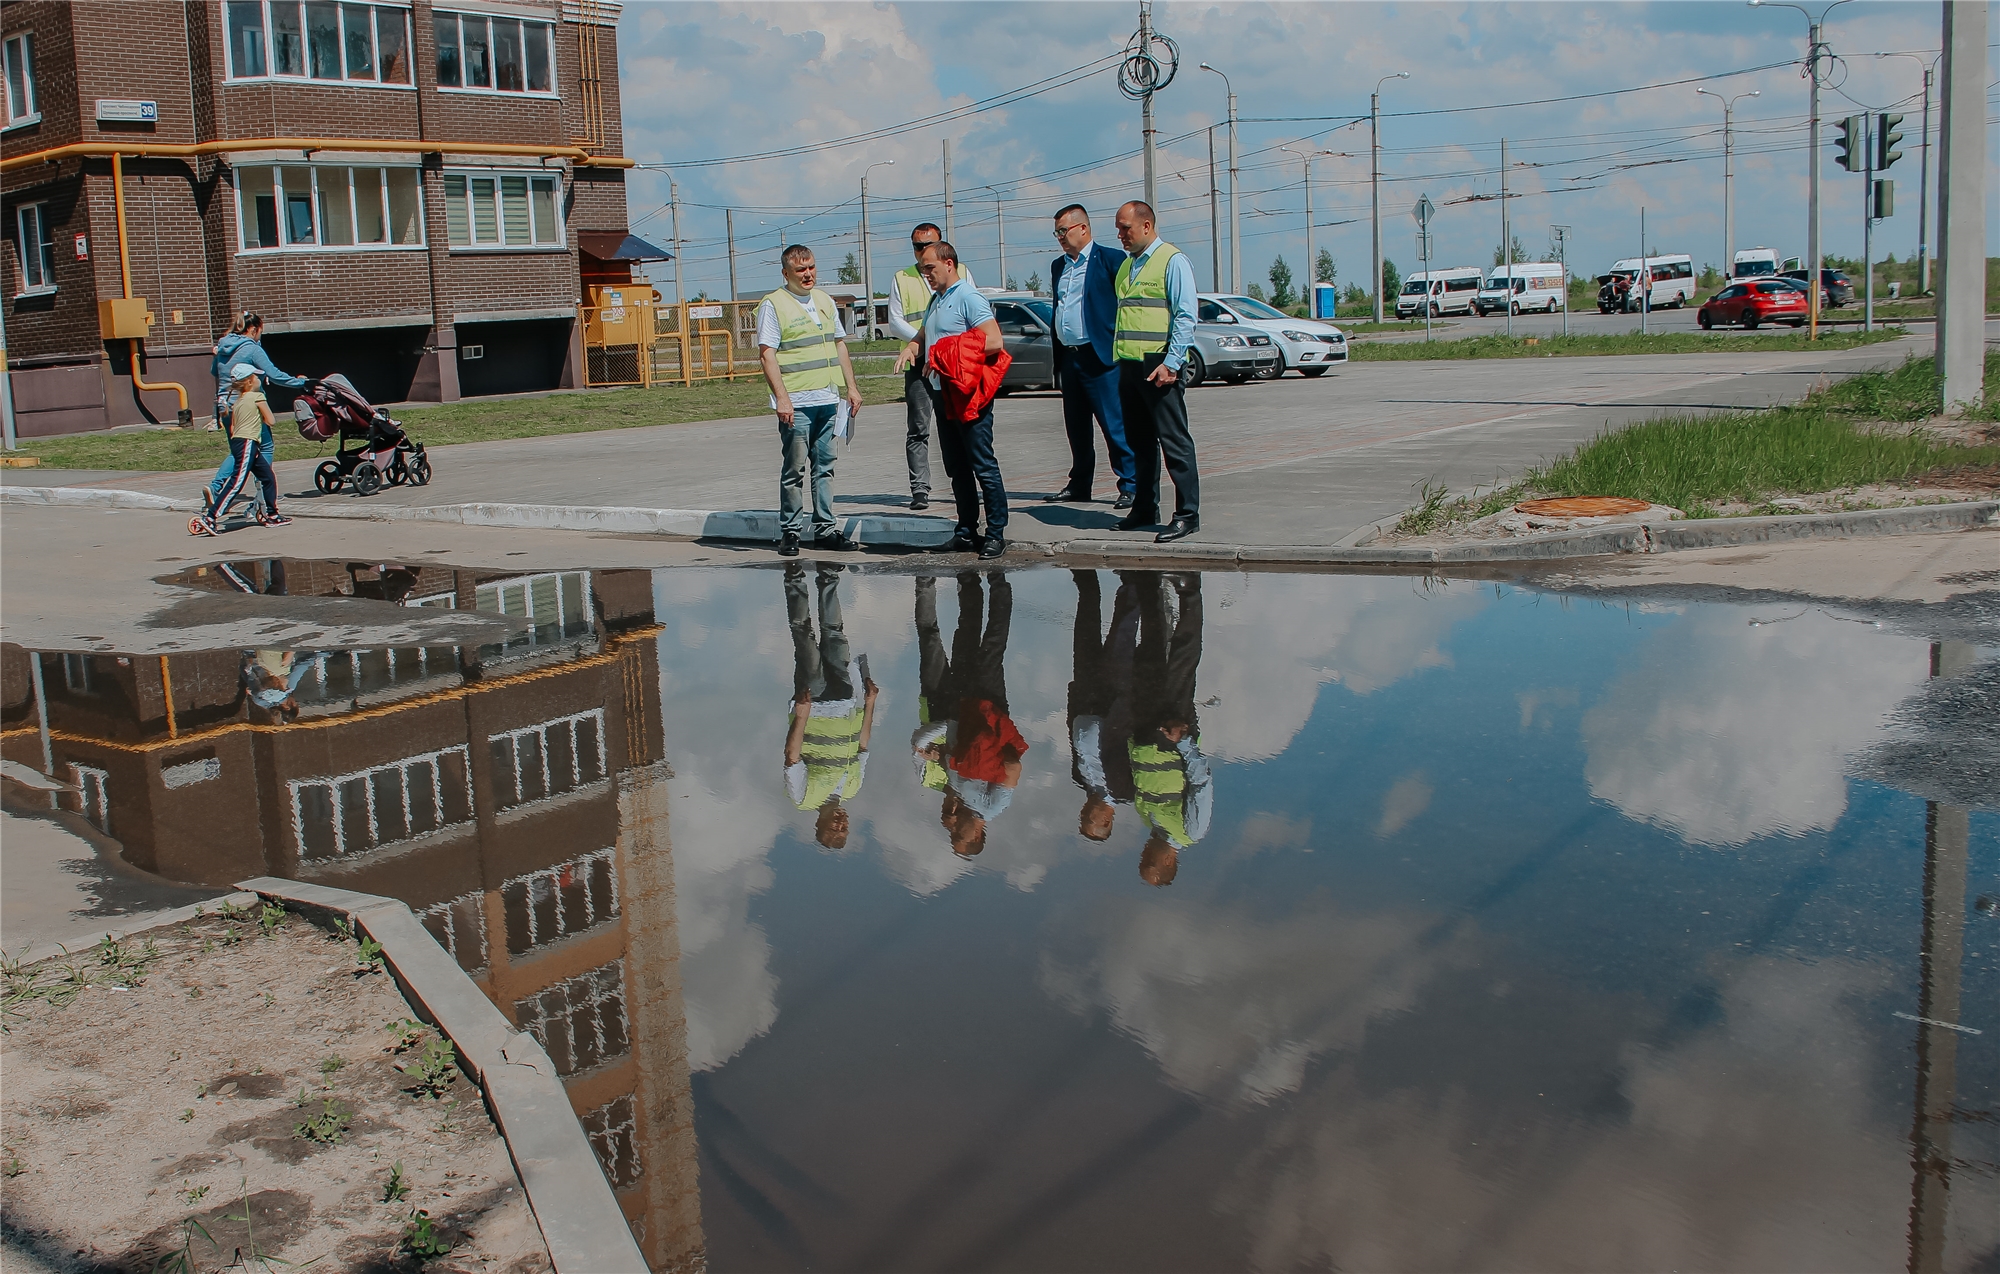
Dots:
pixel 1424 210
pixel 1424 243
pixel 1885 199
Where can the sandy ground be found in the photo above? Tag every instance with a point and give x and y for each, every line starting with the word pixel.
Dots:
pixel 159 1098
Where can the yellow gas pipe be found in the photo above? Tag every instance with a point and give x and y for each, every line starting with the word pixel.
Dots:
pixel 186 416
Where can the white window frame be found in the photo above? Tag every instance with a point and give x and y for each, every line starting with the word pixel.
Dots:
pixel 21 46
pixel 42 244
pixel 443 920
pixel 508 791
pixel 305 76
pixel 572 1013
pixel 467 176
pixel 333 782
pixel 463 16
pixel 528 889
pixel 93 795
pixel 243 246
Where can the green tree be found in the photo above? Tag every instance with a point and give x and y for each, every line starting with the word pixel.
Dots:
pixel 850 270
pixel 1281 283
pixel 1256 291
pixel 1324 269
pixel 1011 285
pixel 1354 295
pixel 1035 282
pixel 1392 278
pixel 1520 252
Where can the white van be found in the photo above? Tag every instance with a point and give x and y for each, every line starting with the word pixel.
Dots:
pixel 1530 286
pixel 1750 263
pixel 1672 277
pixel 1450 291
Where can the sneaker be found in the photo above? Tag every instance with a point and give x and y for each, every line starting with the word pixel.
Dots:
pixel 789 546
pixel 273 519
pixel 919 502
pixel 835 542
pixel 963 542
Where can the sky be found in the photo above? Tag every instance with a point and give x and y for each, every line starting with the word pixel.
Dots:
pixel 1590 143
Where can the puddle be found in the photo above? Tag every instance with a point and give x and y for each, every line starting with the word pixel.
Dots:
pixel 1376 923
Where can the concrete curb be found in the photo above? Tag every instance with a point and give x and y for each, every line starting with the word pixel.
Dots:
pixel 910 532
pixel 140 923
pixel 581 1222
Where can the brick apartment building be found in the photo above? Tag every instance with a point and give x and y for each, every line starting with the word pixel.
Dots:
pixel 411 194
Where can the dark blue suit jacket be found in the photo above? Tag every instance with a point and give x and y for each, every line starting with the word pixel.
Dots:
pixel 1100 295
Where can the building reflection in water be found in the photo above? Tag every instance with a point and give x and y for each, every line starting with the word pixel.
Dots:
pixel 514 795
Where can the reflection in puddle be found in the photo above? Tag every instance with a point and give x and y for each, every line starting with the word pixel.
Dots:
pixel 1189 921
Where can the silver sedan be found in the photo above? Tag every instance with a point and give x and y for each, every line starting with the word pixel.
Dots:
pixel 1228 352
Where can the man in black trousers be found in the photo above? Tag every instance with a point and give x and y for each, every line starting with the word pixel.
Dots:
pixel 1156 317
pixel 1085 279
pixel 1099 709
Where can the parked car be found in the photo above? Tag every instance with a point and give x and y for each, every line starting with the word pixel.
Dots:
pixel 1027 328
pixel 1836 289
pixel 1308 345
pixel 1233 352
pixel 1452 290
pixel 1532 285
pixel 1753 302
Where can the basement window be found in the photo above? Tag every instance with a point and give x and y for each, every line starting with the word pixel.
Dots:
pixel 38 248
pixel 320 207
pixel 319 40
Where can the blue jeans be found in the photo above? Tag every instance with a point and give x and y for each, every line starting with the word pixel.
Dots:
pixel 1090 388
pixel 267 447
pixel 808 443
pixel 975 474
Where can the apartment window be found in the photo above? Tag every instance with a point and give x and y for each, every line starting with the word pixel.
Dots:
pixel 23 107
pixel 502 211
pixel 548 759
pixel 321 206
pixel 557 902
pixel 382 805
pixel 319 40
pixel 495 54
pixel 580 1020
pixel 38 247
pixel 460 928
pixel 614 1135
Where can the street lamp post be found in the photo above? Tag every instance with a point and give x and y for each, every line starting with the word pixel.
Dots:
pixel 1375 178
pixel 867 258
pixel 1728 174
pixel 1815 49
pixel 1923 175
pixel 1235 225
pixel 1308 156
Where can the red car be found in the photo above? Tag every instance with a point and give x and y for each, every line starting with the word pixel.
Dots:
pixel 1753 302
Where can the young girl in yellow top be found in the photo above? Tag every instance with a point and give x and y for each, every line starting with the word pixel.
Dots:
pixel 247 422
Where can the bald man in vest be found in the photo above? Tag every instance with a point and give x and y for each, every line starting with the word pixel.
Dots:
pixel 803 350
pixel 1156 316
pixel 1172 782
pixel 833 708
pixel 909 297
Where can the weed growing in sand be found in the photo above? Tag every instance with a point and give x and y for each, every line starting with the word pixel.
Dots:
pixel 58 985
pixel 194 1193
pixel 397 1189
pixel 272 915
pixel 343 929
pixel 408 1032
pixel 422 1239
pixel 331 1065
pixel 13 1168
pixel 181 1260
pixel 434 1070
pixel 368 956
pixel 327 1127
pixel 187 1116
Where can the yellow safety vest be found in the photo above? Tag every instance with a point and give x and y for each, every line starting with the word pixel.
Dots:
pixel 808 353
pixel 935 778
pixel 916 293
pixel 1143 317
pixel 832 753
pixel 1159 780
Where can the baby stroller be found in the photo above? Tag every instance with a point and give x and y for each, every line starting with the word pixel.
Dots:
pixel 380 451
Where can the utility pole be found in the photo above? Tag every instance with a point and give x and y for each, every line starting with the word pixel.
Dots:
pixel 729 228
pixel 1728 174
pixel 1506 243
pixel 1375 178
pixel 1561 236
pixel 1214 222
pixel 1311 267
pixel 1815 50
pixel 1146 99
pixel 1000 220
pixel 867 258
pixel 1924 192
pixel 674 202
pixel 950 235
pixel 1868 223
pixel 1644 276
pixel 1963 171
pixel 1235 223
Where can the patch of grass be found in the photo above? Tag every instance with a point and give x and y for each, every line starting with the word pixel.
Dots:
pixel 270 917
pixel 328 1126
pixel 1501 346
pixel 408 1032
pixel 434 1070
pixel 332 1065
pixel 422 1238
pixel 58 985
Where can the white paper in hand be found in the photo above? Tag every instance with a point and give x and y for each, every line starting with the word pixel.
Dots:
pixel 843 422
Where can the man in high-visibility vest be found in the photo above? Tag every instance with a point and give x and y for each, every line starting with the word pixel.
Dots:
pixel 909 297
pixel 1172 782
pixel 826 749
pixel 1156 316
pixel 803 350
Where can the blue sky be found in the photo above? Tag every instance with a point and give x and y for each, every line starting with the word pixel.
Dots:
pixel 709 81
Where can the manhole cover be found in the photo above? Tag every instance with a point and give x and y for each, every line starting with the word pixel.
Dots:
pixel 1581 506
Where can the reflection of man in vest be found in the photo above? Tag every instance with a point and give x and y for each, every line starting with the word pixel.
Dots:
pixel 1101 680
pixel 909 297
pixel 826 750
pixel 934 703
pixel 978 751
pixel 1170 775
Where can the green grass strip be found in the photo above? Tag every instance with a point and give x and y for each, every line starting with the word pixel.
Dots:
pixel 1501 346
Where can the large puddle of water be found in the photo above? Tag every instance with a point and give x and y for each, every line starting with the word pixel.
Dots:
pixel 1167 921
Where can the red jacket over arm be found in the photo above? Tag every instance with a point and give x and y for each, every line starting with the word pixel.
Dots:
pixel 970 382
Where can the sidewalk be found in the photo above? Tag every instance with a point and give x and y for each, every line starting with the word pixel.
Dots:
pixel 1292 462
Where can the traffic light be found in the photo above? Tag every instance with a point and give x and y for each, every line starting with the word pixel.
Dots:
pixel 1849 150
pixel 1888 136
pixel 1885 199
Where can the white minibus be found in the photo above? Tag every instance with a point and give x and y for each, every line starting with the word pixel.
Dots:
pixel 1672 277
pixel 1453 290
pixel 1752 262
pixel 1531 286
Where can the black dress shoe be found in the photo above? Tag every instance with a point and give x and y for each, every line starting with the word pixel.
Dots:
pixel 789 546
pixel 1068 495
pixel 1124 500
pixel 963 543
pixel 837 543
pixel 1178 529
pixel 993 547
pixel 1139 521
pixel 919 502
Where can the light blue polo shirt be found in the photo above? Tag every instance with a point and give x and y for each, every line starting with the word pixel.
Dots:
pixel 959 308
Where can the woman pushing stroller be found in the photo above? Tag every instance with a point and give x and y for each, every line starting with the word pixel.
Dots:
pixel 250 423
pixel 242 345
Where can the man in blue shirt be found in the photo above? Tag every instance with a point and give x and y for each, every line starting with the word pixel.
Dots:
pixel 1156 316
pixel 1085 282
pixel 966 446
